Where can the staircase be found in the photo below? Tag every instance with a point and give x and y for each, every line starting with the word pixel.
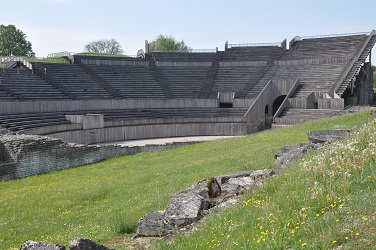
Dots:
pixel 41 72
pixel 252 91
pixel 370 42
pixel 103 83
pixel 292 116
pixel 158 75
pixel 209 81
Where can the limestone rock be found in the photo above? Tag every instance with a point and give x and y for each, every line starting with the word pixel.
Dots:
pixel 185 209
pixel 224 178
pixel 154 224
pixel 237 183
pixel 33 245
pixel 259 175
pixel 86 244
pixel 284 158
pixel 208 188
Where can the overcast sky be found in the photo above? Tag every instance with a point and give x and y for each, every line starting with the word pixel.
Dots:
pixel 68 25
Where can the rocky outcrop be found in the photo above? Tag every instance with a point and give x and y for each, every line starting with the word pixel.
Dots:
pixel 86 244
pixel 76 244
pixel 154 224
pixel 327 136
pixel 207 196
pixel 33 245
pixel 289 154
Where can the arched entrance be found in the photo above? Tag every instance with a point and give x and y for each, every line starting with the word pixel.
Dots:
pixel 277 103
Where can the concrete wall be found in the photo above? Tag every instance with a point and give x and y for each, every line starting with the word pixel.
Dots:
pixel 256 117
pixel 26 155
pixel 108 134
pixel 364 85
pixel 331 103
pixel 183 64
pixel 88 105
pixel 143 128
pixel 243 64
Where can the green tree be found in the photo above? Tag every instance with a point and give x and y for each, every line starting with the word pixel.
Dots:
pixel 13 42
pixel 168 43
pixel 104 46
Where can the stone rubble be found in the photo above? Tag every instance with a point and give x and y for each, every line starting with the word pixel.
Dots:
pixel 33 245
pixel 86 244
pixel 207 196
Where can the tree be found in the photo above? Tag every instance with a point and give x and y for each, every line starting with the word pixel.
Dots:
pixel 104 46
pixel 13 42
pixel 168 43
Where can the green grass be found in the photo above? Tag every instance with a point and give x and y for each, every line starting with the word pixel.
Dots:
pixel 47 60
pixel 106 199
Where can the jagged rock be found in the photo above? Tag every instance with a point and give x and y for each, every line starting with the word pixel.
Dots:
pixel 285 157
pixel 283 150
pixel 237 183
pixel 208 188
pixel 259 175
pixel 224 178
pixel 154 224
pixel 326 136
pixel 86 244
pixel 185 209
pixel 207 196
pixel 33 245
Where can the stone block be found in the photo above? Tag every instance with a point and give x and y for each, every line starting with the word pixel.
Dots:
pixel 185 209
pixel 86 244
pixel 34 245
pixel 154 224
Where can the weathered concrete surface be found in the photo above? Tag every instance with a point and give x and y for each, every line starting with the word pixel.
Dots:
pixel 86 244
pixel 33 245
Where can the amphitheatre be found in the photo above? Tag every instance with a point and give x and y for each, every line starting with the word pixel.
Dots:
pixel 243 89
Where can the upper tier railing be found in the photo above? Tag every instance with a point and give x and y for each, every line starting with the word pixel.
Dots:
pixel 67 54
pixel 188 51
pixel 9 59
pixel 253 45
pixel 356 57
pixel 336 35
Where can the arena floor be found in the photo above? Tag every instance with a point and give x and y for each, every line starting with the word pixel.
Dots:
pixel 163 141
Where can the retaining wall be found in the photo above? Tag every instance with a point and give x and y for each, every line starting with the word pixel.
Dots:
pixel 26 155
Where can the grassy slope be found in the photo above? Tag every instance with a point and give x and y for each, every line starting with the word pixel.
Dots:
pixel 105 199
pixel 327 201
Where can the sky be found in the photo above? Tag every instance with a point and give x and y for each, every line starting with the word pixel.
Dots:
pixel 68 25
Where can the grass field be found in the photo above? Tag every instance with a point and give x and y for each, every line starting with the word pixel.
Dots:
pixel 106 199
